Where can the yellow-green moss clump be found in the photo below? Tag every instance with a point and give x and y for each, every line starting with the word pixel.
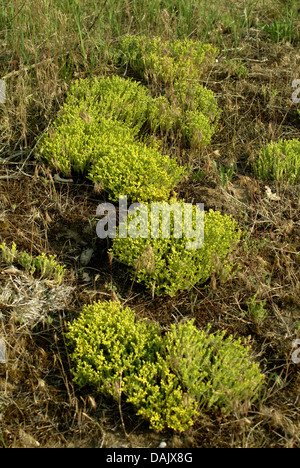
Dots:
pixel 175 67
pixel 279 161
pixel 164 264
pixel 114 98
pixel 43 266
pixel 164 61
pixel 96 134
pixel 100 130
pixel 167 378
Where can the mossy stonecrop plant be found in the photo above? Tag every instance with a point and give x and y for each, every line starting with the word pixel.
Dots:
pixel 200 112
pixel 163 61
pixel 168 378
pixel 109 344
pixel 279 161
pixel 96 134
pixel 115 98
pixel 141 172
pixel 177 67
pixel 164 264
pixel 215 369
pixel 122 356
pixel 45 267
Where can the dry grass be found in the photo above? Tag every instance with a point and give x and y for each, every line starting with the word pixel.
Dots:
pixel 39 405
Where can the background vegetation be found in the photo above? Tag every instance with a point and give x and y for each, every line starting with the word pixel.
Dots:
pixel 42 51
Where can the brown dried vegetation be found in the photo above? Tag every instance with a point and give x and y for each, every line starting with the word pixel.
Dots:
pixel 39 405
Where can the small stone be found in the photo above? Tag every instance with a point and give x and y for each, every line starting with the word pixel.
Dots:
pixel 162 445
pixel 27 441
